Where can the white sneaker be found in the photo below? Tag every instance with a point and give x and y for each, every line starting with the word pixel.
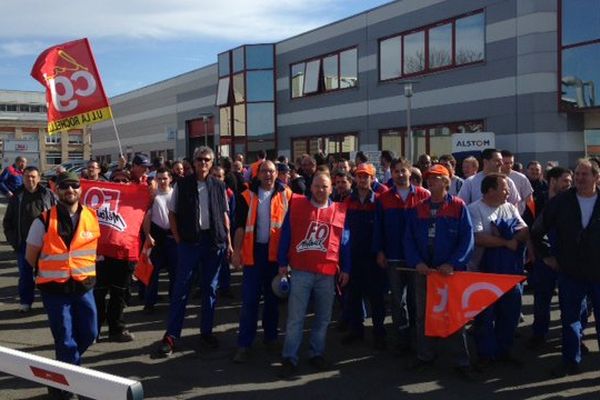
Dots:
pixel 24 308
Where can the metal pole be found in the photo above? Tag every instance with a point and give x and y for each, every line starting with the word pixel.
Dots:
pixel 205 131
pixel 409 153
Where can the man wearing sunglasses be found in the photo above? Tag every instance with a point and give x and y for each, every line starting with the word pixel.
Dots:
pixel 61 245
pixel 198 214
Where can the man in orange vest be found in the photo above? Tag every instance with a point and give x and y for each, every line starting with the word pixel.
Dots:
pixel 314 243
pixel 259 218
pixel 61 244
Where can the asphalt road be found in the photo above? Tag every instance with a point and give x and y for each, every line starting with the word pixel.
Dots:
pixel 357 372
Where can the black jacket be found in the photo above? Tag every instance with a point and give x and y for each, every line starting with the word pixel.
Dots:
pixel 577 249
pixel 188 225
pixel 21 213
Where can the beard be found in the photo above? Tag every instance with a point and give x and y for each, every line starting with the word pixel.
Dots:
pixel 69 200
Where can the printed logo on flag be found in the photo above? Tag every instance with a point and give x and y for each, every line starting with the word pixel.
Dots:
pixel 106 203
pixel 316 235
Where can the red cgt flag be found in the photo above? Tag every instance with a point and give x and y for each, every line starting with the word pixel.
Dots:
pixel 74 93
pixel 120 209
pixel 453 300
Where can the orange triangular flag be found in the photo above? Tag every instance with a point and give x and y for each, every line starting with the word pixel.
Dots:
pixel 144 268
pixel 453 300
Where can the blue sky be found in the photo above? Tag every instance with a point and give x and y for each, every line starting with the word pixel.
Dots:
pixel 139 42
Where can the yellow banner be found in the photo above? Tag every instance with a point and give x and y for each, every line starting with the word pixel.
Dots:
pixel 80 120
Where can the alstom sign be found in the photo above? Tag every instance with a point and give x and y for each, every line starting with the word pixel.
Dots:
pixel 471 142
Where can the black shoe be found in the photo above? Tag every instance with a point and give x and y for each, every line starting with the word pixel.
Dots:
pixel 352 337
pixel 536 342
pixel 209 340
pixel 122 337
pixel 287 370
pixel 562 370
pixel 379 343
pixel 167 346
pixel 510 360
pixel 421 365
pixel 319 363
pixel 149 309
pixel 468 374
pixel 58 394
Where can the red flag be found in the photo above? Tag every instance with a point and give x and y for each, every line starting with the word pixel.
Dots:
pixel 74 93
pixel 120 209
pixel 453 300
pixel 144 268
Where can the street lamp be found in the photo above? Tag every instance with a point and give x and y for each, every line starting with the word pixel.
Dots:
pixel 205 118
pixel 408 93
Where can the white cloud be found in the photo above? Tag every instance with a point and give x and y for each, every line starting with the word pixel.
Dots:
pixel 18 49
pixel 238 20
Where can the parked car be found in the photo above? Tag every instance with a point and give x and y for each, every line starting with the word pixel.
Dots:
pixel 68 165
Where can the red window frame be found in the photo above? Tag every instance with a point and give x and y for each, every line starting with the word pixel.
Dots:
pixel 321 83
pixel 427 69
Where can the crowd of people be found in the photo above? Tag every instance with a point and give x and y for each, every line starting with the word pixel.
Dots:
pixel 341 229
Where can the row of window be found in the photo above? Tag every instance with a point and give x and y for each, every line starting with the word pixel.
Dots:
pixel 451 43
pixel 434 140
pixel 29 108
pixel 56 139
pixel 55 157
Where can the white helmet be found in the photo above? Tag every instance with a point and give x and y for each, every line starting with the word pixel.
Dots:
pixel 281 285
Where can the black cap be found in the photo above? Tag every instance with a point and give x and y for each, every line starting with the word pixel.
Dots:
pixel 141 159
pixel 283 167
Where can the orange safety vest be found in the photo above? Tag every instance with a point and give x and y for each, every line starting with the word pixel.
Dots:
pixel 279 207
pixel 57 262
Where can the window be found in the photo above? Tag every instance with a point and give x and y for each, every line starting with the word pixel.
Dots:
pixel 53 157
pixel 75 138
pixel 434 140
pixel 260 86
pixel 75 155
pixel 443 45
pixel 340 145
pixel 225 114
pixel 259 57
pixel 223 92
pixel 53 139
pixel 261 119
pixel 238 88
pixel 224 66
pixel 238 59
pixel 239 120
pixel 11 107
pixel 23 108
pixel 580 53
pixel 35 109
pixel 326 73
pixel 2 107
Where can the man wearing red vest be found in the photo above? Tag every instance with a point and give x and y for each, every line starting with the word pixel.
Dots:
pixel 259 218
pixel 314 243
pixel 62 245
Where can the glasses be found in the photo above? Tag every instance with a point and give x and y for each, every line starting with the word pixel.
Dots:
pixel 66 185
pixel 204 159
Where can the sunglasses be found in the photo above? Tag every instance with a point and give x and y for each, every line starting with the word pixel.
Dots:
pixel 204 159
pixel 66 185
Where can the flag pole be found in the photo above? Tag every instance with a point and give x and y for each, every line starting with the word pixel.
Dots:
pixel 118 139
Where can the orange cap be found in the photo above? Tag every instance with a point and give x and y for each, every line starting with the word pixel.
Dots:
pixel 436 170
pixel 365 168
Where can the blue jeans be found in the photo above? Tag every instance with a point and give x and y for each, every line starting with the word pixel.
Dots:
pixel 203 258
pixel 163 256
pixel 572 296
pixel 73 323
pixel 402 286
pixel 26 279
pixel 256 281
pixel 543 281
pixel 496 325
pixel 322 288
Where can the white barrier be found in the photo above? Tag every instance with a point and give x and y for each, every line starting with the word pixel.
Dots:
pixel 79 380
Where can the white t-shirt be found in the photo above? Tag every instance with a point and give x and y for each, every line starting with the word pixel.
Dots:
pixel 37 231
pixel 263 216
pixel 160 210
pixel 482 217
pixel 523 187
pixel 586 204
pixel 471 189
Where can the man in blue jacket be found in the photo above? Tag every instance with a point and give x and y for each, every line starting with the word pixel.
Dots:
pixel 11 179
pixel 439 237
pixel 388 233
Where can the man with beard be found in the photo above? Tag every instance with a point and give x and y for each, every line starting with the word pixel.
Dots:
pixel 62 244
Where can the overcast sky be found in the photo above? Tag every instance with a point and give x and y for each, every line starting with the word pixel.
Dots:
pixel 139 42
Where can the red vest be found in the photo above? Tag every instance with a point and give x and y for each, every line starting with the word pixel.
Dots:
pixel 316 236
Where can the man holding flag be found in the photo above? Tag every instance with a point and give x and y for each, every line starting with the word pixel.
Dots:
pixel 439 238
pixel 500 236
